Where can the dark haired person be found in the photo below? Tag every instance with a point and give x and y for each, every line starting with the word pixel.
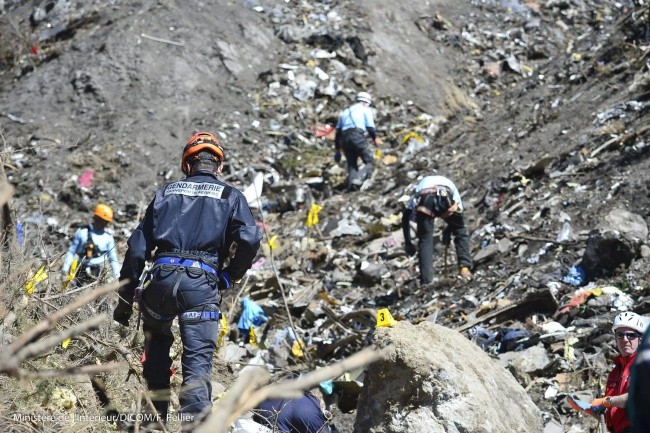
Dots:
pixel 191 224
pixel 293 415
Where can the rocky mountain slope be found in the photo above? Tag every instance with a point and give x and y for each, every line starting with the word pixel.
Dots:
pixel 538 109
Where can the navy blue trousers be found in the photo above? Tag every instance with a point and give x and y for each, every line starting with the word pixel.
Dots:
pixel 197 306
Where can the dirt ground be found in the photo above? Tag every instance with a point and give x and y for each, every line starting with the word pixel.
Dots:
pixel 123 84
pixel 110 97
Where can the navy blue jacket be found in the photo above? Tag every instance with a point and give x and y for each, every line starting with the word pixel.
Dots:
pixel 299 415
pixel 639 391
pixel 199 215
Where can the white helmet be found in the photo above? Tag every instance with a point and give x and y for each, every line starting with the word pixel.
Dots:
pixel 364 97
pixel 630 320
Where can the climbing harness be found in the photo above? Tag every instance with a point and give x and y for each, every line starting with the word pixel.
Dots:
pixel 176 265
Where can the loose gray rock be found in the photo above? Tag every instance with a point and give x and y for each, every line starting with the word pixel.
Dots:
pixel 435 380
pixel 630 224
pixel 605 251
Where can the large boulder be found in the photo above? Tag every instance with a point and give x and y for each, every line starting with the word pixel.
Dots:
pixel 433 379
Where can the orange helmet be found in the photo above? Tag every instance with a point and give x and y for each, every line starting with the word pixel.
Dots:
pixel 104 212
pixel 198 142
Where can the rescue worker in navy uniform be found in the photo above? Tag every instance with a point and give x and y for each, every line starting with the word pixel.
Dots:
pixel 639 391
pixel 437 197
pixel 297 415
pixel 187 232
pixel 351 130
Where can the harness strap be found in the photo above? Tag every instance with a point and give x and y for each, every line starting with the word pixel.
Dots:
pixel 435 190
pixel 425 210
pixel 185 263
pixel 188 315
pixel 209 315
pixel 352 118
pixel 179 265
pixel 153 314
pixel 177 283
pixel 326 413
pixel 90 241
pixel 351 131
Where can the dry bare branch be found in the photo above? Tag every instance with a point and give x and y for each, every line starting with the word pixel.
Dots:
pixel 153 408
pixel 8 234
pixel 46 343
pixel 136 429
pixel 234 301
pixel 47 323
pixel 6 191
pixel 74 371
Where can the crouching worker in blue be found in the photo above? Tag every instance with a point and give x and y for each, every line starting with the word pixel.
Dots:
pixel 437 197
pixel 298 415
pixel 191 224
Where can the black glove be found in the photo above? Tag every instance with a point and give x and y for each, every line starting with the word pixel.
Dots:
pixel 337 156
pixel 122 312
pixel 410 249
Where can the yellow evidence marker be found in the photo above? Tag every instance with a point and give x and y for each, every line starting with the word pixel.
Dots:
pixel 384 318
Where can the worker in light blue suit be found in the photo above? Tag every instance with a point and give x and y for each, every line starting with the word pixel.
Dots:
pixel 351 128
pixel 94 248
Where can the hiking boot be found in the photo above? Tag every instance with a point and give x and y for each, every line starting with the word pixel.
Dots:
pixel 355 184
pixel 465 273
pixel 433 284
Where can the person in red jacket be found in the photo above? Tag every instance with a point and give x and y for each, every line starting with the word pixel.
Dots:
pixel 628 328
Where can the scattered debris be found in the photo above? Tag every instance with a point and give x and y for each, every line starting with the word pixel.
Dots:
pixel 544 125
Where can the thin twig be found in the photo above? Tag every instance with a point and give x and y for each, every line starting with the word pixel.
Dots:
pixel 12 277
pixel 335 319
pixel 234 302
pixel 155 411
pixel 74 371
pixel 42 345
pixel 536 239
pixel 166 41
pixel 66 293
pixel 138 400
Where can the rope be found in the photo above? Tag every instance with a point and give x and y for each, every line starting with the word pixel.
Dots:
pixel 275 269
